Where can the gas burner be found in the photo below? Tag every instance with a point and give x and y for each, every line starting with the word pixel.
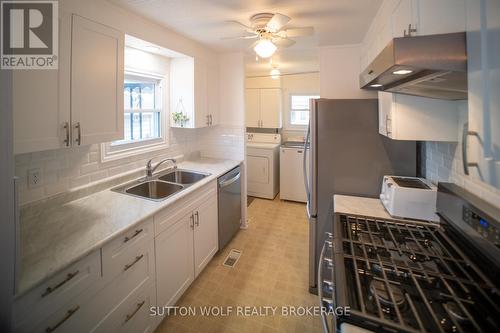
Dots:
pixel 379 290
pixel 366 239
pixel 454 310
pixel 412 246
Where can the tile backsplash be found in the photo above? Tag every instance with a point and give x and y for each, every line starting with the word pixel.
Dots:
pixel 443 163
pixel 67 169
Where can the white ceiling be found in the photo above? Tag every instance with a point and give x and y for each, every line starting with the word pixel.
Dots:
pixel 335 22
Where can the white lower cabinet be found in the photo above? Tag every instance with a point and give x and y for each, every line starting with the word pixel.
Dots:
pixel 174 261
pixel 187 245
pixel 113 288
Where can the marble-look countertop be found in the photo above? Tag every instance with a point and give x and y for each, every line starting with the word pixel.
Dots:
pixel 62 234
pixel 345 204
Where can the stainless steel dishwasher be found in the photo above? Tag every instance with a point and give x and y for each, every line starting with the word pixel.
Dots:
pixel 229 205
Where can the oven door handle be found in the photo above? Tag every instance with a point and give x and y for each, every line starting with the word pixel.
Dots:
pixel 324 318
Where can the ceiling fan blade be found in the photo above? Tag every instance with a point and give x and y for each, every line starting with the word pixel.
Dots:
pixel 247 28
pixel 297 32
pixel 240 37
pixel 283 42
pixel 277 22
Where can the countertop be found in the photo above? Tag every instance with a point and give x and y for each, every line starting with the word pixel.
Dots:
pixel 345 204
pixel 62 234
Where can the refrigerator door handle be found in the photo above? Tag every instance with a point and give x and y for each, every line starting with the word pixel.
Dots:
pixel 304 166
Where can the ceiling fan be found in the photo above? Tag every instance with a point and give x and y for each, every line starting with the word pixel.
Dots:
pixel 268 29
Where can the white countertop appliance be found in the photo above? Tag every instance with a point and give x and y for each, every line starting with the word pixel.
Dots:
pixel 409 197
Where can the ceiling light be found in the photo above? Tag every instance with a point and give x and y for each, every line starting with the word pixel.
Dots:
pixel 402 72
pixel 376 85
pixel 275 73
pixel 264 48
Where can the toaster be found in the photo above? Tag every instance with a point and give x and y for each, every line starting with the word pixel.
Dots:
pixel 409 197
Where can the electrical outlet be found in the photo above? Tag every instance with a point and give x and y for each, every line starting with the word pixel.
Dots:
pixel 34 177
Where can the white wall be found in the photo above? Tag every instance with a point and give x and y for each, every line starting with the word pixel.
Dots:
pixel 339 72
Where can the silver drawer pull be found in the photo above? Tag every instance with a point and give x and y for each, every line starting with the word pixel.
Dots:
pixel 49 290
pixel 66 317
pixel 133 262
pixel 130 316
pixel 137 232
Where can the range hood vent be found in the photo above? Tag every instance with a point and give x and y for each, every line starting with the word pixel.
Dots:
pixel 432 66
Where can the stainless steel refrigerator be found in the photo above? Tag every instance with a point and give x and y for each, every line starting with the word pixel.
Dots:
pixel 347 156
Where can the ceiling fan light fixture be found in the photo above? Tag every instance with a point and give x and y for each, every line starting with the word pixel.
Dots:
pixel 264 48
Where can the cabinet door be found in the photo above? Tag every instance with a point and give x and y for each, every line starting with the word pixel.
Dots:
pixel 402 16
pixel 384 113
pixel 205 234
pixel 483 66
pixel 252 107
pixel 213 94
pixel 270 108
pixel 41 101
pixel 96 82
pixel 174 261
pixel 200 94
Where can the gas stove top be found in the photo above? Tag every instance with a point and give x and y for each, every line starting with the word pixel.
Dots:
pixel 410 276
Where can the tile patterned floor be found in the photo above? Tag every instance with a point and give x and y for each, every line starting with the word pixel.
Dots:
pixel 272 271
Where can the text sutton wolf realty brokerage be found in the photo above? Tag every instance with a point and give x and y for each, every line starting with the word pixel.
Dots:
pixel 29 35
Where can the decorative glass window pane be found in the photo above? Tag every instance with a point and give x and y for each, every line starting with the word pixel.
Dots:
pixel 136 97
pixel 148 96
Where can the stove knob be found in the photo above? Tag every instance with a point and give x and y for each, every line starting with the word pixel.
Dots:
pixel 328 262
pixel 329 235
pixel 329 244
pixel 328 285
pixel 328 303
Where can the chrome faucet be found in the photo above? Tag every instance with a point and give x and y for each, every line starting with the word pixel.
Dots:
pixel 150 169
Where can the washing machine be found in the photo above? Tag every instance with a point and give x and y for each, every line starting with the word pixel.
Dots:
pixel 263 164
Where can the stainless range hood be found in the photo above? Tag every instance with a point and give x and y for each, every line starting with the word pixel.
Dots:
pixel 432 66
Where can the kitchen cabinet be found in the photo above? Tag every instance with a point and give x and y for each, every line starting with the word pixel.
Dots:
pixel 194 92
pixel 263 107
pixel 186 242
pixel 205 234
pixel 96 86
pixel 174 261
pixel 426 17
pixel 80 103
pixel 481 136
pixel 404 117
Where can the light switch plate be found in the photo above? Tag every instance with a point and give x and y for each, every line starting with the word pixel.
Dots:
pixel 34 177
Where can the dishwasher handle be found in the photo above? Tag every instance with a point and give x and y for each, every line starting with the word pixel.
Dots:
pixel 230 181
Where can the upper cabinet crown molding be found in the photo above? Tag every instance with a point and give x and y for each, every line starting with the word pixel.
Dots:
pixel 81 103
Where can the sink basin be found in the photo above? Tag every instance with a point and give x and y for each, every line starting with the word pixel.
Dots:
pixel 182 177
pixel 154 189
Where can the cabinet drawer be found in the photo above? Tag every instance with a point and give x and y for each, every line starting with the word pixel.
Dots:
pixel 48 297
pixel 126 250
pixel 173 213
pixel 132 314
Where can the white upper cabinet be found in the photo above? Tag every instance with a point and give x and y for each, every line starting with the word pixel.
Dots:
pixel 41 101
pixel 80 103
pixel 403 117
pixel 194 93
pixel 96 82
pixel 263 107
pixel 426 17
pixel 482 137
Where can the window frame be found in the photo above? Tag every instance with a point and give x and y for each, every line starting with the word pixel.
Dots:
pixel 289 124
pixel 111 151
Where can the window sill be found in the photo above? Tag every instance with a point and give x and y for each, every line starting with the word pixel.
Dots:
pixel 111 153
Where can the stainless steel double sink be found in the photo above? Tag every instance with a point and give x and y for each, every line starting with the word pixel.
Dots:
pixel 162 185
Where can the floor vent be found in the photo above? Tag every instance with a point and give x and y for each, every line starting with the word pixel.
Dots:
pixel 232 258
